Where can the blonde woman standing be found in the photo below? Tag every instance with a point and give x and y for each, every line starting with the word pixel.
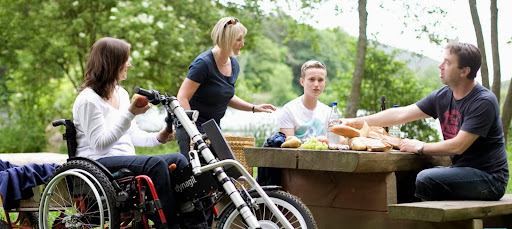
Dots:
pixel 210 83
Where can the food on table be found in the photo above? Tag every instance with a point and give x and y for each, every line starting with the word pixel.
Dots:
pixel 343 140
pixel 346 131
pixel 291 142
pixel 380 133
pixel 313 143
pixel 323 139
pixel 365 130
pixel 339 146
pixel 370 144
pixel 371 132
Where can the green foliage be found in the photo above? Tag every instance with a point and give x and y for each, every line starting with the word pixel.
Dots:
pixel 45 46
pixel 331 47
pixel 264 68
pixel 22 137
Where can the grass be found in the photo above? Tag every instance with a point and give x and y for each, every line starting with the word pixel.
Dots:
pixel 509 152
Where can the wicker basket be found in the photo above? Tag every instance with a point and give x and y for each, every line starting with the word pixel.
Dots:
pixel 237 145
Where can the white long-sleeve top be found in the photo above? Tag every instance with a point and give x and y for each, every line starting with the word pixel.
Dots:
pixel 103 130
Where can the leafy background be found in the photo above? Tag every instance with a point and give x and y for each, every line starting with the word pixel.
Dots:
pixel 44 47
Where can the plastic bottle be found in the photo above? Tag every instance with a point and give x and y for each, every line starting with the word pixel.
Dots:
pixel 395 129
pixel 334 119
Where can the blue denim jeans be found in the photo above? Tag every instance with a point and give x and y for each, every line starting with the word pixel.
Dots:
pixel 458 183
pixel 157 168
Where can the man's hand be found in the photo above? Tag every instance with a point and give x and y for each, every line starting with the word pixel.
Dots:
pixel 409 145
pixel 353 122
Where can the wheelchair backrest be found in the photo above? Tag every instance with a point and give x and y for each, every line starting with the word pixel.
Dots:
pixel 69 136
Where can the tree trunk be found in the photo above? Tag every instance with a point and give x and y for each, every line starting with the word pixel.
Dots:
pixel 506 115
pixel 496 83
pixel 480 41
pixel 355 93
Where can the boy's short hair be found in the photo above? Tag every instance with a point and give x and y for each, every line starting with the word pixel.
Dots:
pixel 311 64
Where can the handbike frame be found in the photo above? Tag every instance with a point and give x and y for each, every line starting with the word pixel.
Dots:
pixel 171 104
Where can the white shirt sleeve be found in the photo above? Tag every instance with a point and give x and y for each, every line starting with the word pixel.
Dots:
pixel 285 120
pixel 101 136
pixel 142 138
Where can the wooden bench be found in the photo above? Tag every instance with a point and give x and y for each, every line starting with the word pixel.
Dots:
pixel 464 213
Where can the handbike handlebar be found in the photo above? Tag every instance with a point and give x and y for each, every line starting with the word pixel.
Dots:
pixel 152 95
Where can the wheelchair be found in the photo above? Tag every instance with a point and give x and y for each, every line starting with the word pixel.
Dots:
pixel 82 193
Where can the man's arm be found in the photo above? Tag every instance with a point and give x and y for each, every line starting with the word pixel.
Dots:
pixel 455 146
pixel 389 117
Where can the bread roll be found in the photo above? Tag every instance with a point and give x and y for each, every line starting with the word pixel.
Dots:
pixel 292 142
pixel 345 131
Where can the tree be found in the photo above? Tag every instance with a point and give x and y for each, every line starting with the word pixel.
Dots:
pixel 506 115
pixel 45 46
pixel 265 72
pixel 480 41
pixel 355 93
pixel 496 85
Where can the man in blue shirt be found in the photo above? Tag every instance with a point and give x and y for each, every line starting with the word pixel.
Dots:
pixel 471 126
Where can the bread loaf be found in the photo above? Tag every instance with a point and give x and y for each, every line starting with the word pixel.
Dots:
pixel 345 131
pixel 373 145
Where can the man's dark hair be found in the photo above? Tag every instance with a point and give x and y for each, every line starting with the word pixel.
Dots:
pixel 469 56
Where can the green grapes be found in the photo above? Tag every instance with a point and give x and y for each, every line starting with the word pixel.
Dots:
pixel 312 143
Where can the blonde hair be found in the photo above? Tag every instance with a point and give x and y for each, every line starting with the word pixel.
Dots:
pixel 311 64
pixel 225 33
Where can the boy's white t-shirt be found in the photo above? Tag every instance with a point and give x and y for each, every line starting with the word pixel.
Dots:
pixel 306 123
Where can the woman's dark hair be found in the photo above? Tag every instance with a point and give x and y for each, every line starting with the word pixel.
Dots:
pixel 106 59
pixel 469 56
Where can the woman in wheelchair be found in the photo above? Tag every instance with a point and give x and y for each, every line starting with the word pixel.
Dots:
pixel 106 130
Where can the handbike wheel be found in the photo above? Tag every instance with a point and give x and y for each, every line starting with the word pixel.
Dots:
pixel 294 211
pixel 78 195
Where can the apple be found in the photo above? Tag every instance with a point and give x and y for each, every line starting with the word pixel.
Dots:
pixel 323 139
pixel 140 101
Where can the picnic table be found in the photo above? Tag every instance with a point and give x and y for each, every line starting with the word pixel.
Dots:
pixel 349 188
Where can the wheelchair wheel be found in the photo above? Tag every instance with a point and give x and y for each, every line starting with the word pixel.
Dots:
pixel 293 210
pixel 29 219
pixel 78 195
